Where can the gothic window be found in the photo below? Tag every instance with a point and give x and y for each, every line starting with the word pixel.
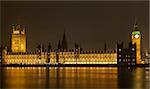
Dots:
pixel 133 49
pixel 119 50
pixel 128 59
pixel 123 60
pixel 119 55
pixel 119 60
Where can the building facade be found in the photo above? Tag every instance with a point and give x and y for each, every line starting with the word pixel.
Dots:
pixel 18 39
pixel 62 55
pixel 146 57
pixel 126 56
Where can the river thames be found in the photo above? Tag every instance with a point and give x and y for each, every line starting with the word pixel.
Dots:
pixel 75 77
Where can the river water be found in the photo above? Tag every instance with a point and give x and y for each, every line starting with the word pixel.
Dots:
pixel 75 77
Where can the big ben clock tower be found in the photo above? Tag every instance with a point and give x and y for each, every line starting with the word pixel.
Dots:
pixel 18 39
pixel 136 38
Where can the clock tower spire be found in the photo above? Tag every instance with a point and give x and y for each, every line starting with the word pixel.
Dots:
pixel 136 39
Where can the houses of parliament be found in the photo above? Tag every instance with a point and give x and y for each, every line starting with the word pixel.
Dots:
pixel 62 55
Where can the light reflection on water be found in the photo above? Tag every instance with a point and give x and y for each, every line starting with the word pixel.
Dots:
pixel 74 77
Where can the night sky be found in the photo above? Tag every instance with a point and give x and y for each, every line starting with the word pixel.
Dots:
pixel 90 24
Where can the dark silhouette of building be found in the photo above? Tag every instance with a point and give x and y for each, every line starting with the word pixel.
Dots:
pixel 64 42
pixel 0 54
pixel 59 45
pixel 62 45
pixel 105 47
pixel 76 52
pixel 48 52
pixel 126 56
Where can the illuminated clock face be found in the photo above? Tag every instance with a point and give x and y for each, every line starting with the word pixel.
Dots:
pixel 136 36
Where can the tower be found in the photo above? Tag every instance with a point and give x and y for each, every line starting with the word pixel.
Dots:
pixel 64 42
pixel 59 45
pixel 105 48
pixel 136 38
pixel 18 39
pixel 48 52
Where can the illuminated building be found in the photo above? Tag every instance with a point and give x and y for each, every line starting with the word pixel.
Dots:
pixel 87 57
pixel 18 39
pixel 136 38
pixel 147 57
pixel 63 55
